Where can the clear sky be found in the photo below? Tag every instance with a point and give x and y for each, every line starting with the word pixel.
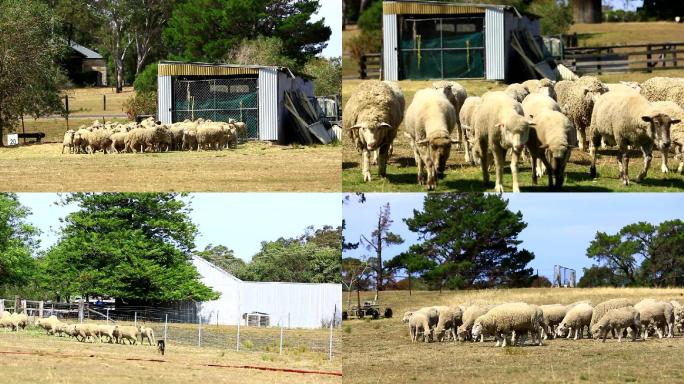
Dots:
pixel 560 226
pixel 240 221
pixel 630 5
pixel 331 10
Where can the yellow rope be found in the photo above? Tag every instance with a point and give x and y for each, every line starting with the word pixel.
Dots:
pixel 468 54
pixel 418 43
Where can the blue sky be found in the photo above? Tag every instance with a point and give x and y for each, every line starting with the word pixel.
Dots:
pixel 240 221
pixel 331 10
pixel 630 5
pixel 560 226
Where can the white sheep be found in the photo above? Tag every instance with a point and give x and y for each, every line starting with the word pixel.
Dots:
pixel 86 330
pixel 517 92
pixel 627 119
pixel 664 89
pixel 68 141
pixel 470 105
pixel 603 307
pixel 617 320
pixel 125 332
pixel 577 317
pixel 576 99
pixel 659 314
pixel 429 121
pixel 450 317
pixel 505 319
pixel 553 316
pixel 470 314
pixel 676 133
pixel 543 86
pixel 418 325
pixel 146 333
pixel 105 330
pixel 500 124
pixel 372 116
pixel 551 141
pixel 457 96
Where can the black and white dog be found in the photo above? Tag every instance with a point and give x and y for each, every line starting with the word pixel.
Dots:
pixel 161 345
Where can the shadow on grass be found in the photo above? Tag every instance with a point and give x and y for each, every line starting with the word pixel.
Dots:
pixel 350 164
pixel 669 182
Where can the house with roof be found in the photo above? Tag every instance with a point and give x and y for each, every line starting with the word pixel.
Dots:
pixel 85 66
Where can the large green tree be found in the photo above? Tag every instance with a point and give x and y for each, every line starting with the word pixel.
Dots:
pixel 224 258
pixel 381 238
pixel 472 241
pixel 132 246
pixel 207 30
pixel 29 76
pixel 17 242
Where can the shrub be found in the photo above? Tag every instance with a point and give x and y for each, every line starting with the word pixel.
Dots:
pixel 364 42
pixel 146 81
pixel 371 18
pixel 142 103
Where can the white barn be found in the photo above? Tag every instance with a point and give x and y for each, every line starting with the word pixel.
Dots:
pixel 293 305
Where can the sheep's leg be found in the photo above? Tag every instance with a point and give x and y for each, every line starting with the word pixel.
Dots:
pixel 382 160
pixel 468 157
pixel 534 168
pixel 663 166
pixel 619 335
pixel 623 163
pixel 365 165
pixel 419 164
pixel 375 157
pixel 515 158
pixel 582 138
pixel 648 156
pixel 483 163
pixel 570 333
pixel 551 169
pixel 499 159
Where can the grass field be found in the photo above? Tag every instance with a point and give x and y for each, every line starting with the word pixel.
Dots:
pixel 253 166
pixel 628 33
pixel 89 101
pixel 383 353
pixel 460 176
pixel 32 357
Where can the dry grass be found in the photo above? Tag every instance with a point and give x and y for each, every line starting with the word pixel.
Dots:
pixel 628 33
pixel 88 101
pixel 461 176
pixel 253 166
pixel 48 359
pixel 380 350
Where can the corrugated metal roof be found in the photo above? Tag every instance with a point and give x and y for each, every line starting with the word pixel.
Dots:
pixel 433 7
pixel 178 68
pixel 88 53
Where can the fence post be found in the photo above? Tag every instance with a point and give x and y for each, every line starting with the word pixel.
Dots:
pixel 330 339
pixel 362 67
pixel 648 58
pixel 199 331
pixel 674 55
pixel 281 338
pixel 104 102
pixel 2 305
pixel 135 318
pixel 288 320
pixel 107 315
pixel 166 325
pixel 66 107
pixel 40 308
pixel 80 310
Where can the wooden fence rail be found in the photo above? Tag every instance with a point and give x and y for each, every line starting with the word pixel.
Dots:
pixel 370 66
pixel 624 58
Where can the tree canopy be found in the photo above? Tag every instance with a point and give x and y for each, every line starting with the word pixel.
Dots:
pixel 17 242
pixel 133 246
pixel 468 240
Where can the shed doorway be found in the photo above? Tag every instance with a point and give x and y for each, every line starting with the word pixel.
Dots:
pixel 441 47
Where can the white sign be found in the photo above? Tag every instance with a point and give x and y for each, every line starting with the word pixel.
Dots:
pixel 12 139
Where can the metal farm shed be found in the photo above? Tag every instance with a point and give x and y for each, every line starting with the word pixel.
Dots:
pixel 438 40
pixel 249 93
pixel 296 305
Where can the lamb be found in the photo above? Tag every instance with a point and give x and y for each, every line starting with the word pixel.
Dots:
pixel 517 92
pixel 449 320
pixel 576 99
pixel 105 330
pixel 664 89
pixel 118 142
pixel 624 119
pixel 543 86
pixel 470 314
pixel 551 140
pixel 468 109
pixel 505 319
pixel 603 307
pixel 146 333
pixel 617 320
pixel 418 325
pixel 553 316
pixel 68 141
pixel 659 314
pixel 432 315
pixel 457 96
pixel 17 321
pixel 500 124
pixel 576 318
pixel 125 332
pixel 372 116
pixel 429 121
pixel 676 133
pixel 86 330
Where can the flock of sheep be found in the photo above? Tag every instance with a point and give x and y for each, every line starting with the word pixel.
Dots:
pixel 150 136
pixel 545 119
pixel 81 332
pixel 520 321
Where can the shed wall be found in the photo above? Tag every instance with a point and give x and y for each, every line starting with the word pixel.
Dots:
pixel 495 64
pixel 390 62
pixel 269 104
pixel 164 99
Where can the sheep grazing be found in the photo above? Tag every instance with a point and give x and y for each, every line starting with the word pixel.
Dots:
pixel 449 320
pixel 517 92
pixel 418 325
pixel 68 141
pixel 676 133
pixel 659 314
pixel 505 319
pixel 372 116
pixel 602 308
pixel 628 119
pixel 470 314
pixel 465 116
pixel 553 316
pixel 457 96
pixel 500 124
pixel 577 317
pixel 551 140
pixel 617 320
pixel 429 122
pixel 576 99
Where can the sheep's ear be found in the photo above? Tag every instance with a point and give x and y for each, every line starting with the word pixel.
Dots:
pixel 454 141
pixel 500 125
pixel 585 90
pixel 355 128
pixel 647 118
pixel 675 121
pixel 422 142
pixel 385 125
pixel 531 116
pixel 531 123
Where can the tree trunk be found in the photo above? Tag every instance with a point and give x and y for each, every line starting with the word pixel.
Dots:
pixel 119 74
pixel 378 285
pixel 409 281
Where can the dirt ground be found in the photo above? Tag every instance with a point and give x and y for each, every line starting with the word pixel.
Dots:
pixel 31 357
pixel 253 166
pixel 383 352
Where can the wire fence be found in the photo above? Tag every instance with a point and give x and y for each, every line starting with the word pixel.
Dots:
pixel 169 326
